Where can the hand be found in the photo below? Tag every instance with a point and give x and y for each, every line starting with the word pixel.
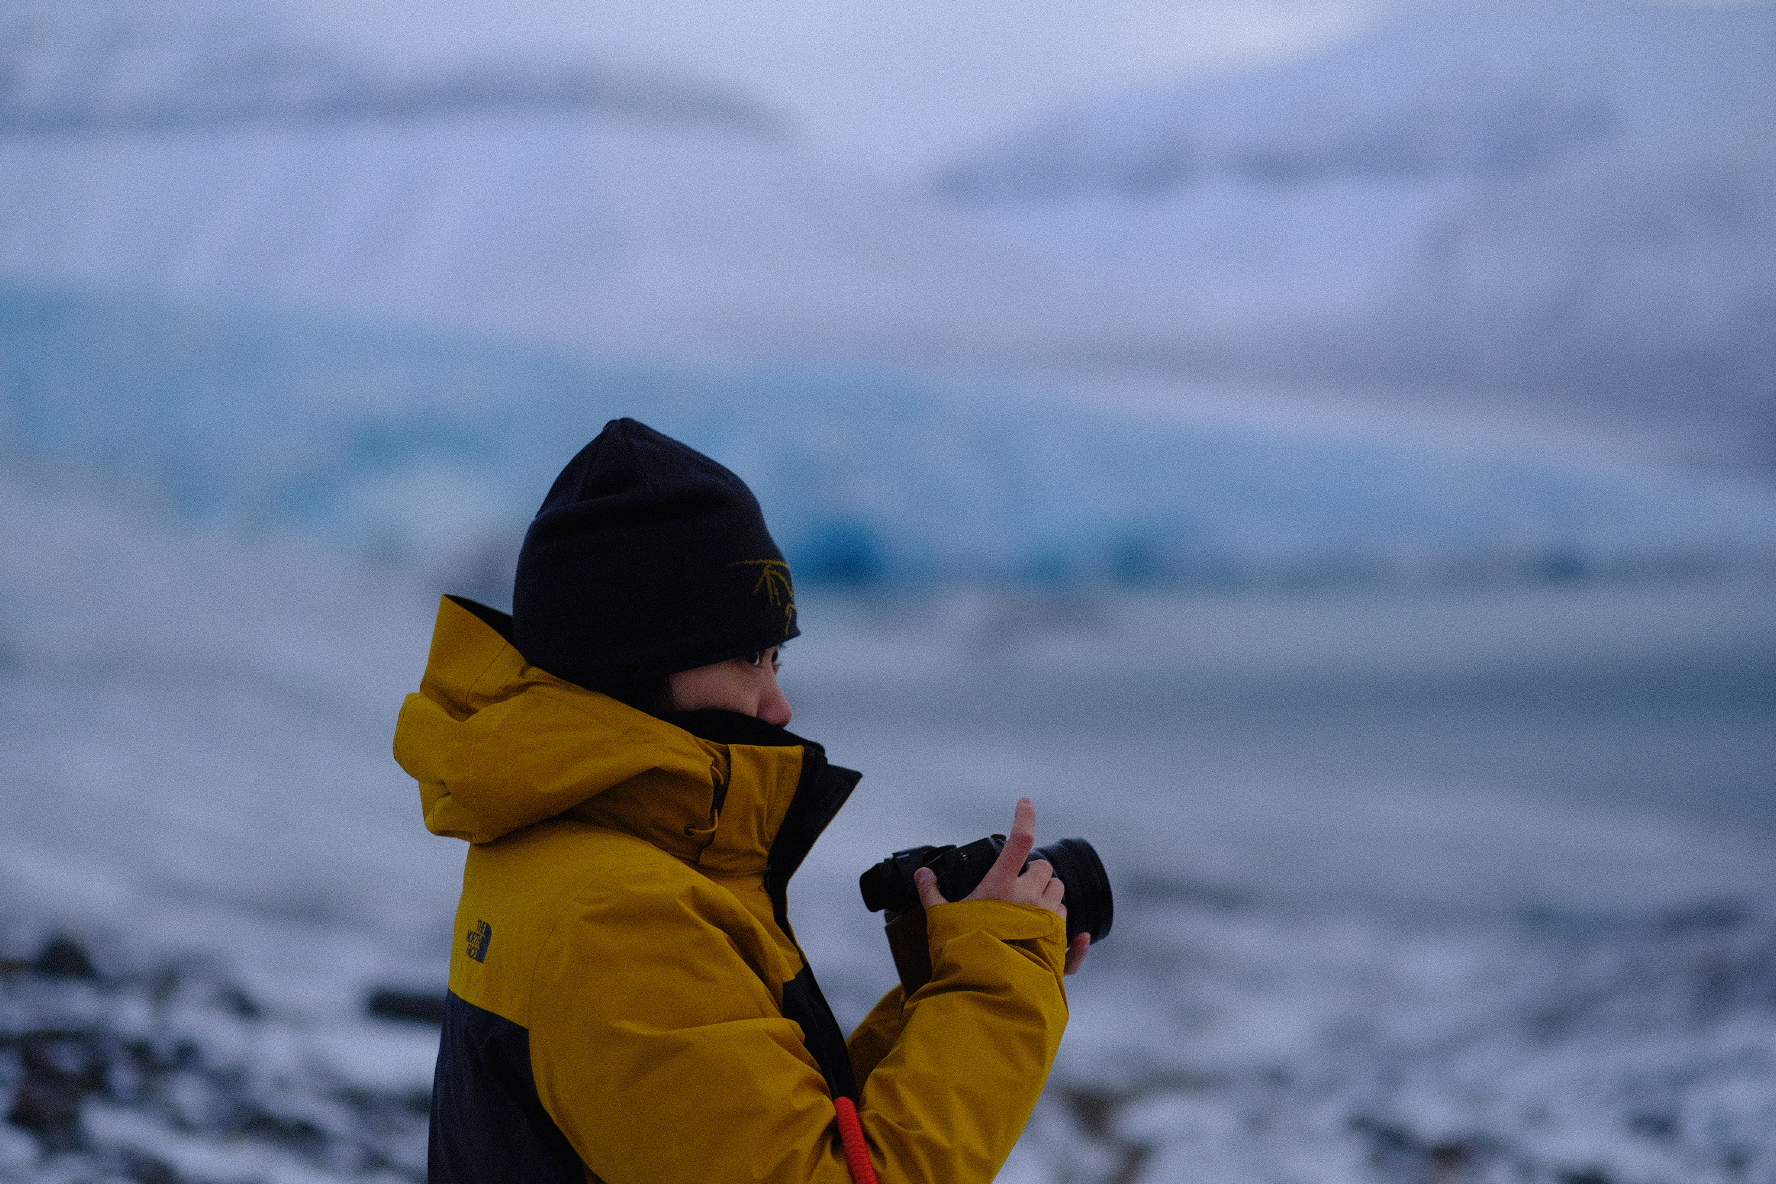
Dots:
pixel 1008 879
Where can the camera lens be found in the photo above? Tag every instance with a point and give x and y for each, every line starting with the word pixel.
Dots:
pixel 1090 908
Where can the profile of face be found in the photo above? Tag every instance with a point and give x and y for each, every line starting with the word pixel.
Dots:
pixel 747 685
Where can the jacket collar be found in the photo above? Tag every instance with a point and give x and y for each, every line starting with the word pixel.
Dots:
pixel 820 792
pixel 497 744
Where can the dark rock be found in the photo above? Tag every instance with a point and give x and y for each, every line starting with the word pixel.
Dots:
pixel 420 1007
pixel 143 1170
pixel 60 1070
pixel 238 1003
pixel 63 957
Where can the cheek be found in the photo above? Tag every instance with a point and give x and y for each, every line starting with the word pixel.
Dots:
pixel 732 686
pixel 708 686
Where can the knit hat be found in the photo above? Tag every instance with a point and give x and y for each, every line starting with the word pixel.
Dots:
pixel 647 558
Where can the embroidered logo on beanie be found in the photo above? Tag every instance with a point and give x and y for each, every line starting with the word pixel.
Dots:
pixel 774 583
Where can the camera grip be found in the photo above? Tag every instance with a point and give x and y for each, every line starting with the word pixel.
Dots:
pixel 911 947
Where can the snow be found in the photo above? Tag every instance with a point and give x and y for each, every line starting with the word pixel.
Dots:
pixel 1562 197
pixel 1459 883
pixel 101 64
pixel 1431 765
pixel 157 678
pixel 1568 200
pixel 547 201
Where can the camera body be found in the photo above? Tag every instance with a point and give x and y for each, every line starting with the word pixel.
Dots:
pixel 889 884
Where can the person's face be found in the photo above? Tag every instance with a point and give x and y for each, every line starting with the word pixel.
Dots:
pixel 747 685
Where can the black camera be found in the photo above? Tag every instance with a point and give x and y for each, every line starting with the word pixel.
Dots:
pixel 889 885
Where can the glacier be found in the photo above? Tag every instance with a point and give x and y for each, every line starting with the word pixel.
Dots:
pixel 281 290
pixel 431 450
pixel 1571 199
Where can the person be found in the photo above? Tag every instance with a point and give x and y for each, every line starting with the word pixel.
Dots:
pixel 628 1003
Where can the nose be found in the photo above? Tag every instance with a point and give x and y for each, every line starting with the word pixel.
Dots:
pixel 773 706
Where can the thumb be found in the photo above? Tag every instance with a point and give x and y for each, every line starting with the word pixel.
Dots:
pixel 925 880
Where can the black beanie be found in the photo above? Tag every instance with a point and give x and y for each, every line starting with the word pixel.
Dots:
pixel 647 558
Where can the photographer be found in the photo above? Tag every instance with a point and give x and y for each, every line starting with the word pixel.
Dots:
pixel 628 1003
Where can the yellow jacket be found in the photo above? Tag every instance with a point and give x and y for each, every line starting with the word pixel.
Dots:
pixel 628 1003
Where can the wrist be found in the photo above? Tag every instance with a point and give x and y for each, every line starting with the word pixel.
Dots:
pixel 1004 919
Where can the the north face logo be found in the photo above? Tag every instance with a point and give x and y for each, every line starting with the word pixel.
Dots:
pixel 480 937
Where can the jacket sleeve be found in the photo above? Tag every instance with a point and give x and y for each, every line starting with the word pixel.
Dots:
pixel 877 1034
pixel 950 1098
pixel 665 1059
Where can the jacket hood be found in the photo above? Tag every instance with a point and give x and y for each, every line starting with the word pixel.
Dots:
pixel 497 744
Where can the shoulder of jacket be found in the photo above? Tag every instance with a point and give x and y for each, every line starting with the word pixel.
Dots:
pixel 619 876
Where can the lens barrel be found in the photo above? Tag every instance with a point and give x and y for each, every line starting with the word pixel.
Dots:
pixel 1090 907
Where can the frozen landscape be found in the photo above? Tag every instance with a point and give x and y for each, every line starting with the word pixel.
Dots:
pixel 1502 201
pixel 1567 198
pixel 1434 884
pixel 1348 505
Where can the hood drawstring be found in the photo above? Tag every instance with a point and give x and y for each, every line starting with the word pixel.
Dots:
pixel 851 1134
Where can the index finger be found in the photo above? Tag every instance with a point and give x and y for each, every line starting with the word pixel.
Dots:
pixel 1012 856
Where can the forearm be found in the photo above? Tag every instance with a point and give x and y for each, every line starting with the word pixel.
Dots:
pixel 877 1034
pixel 951 1097
pixel 657 1077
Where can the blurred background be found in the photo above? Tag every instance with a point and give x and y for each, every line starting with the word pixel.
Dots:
pixel 1324 451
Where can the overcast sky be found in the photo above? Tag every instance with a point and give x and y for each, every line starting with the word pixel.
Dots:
pixel 894 86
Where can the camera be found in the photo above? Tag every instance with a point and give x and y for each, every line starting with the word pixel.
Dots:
pixel 889 885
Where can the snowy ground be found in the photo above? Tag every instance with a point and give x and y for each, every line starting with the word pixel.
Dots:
pixel 1456 886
